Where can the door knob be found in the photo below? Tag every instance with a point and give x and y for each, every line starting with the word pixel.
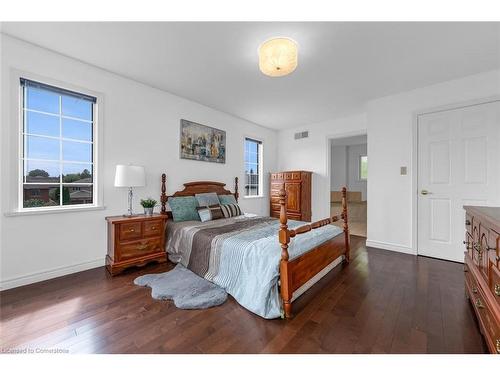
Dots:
pixel 425 192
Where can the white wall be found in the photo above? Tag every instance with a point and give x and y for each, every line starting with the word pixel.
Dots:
pixel 338 167
pixel 313 154
pixel 390 122
pixel 141 126
pixel 344 168
pixel 353 181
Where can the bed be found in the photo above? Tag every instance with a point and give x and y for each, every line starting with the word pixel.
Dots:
pixel 263 262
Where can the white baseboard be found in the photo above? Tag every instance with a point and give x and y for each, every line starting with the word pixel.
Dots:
pixel 390 246
pixel 50 274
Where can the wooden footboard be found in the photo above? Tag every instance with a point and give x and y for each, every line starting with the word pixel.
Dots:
pixel 295 273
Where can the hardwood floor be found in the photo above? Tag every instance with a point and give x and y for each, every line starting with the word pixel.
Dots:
pixel 383 302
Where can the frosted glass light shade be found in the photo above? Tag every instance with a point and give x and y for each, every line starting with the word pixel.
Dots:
pixel 130 176
pixel 278 57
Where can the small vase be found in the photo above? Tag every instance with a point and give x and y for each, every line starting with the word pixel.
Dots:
pixel 148 211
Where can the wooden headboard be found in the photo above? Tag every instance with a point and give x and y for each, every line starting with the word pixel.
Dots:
pixel 192 188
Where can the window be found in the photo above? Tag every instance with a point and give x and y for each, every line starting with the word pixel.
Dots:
pixel 58 147
pixel 253 167
pixel 363 167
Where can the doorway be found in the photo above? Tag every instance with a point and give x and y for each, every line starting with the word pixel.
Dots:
pixel 349 168
pixel 458 164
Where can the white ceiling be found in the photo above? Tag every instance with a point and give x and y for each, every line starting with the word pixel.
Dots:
pixel 341 65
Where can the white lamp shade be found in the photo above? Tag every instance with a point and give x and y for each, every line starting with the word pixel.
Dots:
pixel 130 176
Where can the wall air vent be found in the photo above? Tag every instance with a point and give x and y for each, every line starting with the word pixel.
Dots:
pixel 301 135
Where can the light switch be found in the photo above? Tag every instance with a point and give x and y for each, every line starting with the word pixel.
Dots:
pixel 403 171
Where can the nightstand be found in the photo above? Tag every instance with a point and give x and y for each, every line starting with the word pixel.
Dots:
pixel 135 241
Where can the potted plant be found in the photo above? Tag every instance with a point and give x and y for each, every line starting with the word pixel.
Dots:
pixel 149 205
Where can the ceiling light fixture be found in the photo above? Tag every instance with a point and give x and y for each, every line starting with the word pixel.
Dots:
pixel 278 57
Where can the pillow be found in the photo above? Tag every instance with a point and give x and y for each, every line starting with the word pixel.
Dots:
pixel 210 213
pixel 231 210
pixel 207 199
pixel 227 199
pixel 184 208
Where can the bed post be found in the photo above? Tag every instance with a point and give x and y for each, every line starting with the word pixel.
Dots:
pixel 284 238
pixel 236 194
pixel 346 225
pixel 163 196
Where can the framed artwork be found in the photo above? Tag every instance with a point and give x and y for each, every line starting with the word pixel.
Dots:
pixel 201 142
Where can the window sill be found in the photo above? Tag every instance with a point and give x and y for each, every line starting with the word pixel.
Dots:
pixel 54 211
pixel 253 197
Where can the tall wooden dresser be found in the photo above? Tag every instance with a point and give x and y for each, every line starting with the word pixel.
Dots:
pixel 482 273
pixel 297 185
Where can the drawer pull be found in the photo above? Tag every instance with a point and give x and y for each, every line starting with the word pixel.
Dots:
pixel 479 304
pixel 497 289
pixel 474 289
pixel 142 247
pixel 153 228
pixel 131 230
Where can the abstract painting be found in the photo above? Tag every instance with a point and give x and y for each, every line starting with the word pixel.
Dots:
pixel 201 142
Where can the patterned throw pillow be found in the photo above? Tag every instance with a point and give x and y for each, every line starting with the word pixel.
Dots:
pixel 231 210
pixel 184 208
pixel 213 212
pixel 227 199
pixel 207 199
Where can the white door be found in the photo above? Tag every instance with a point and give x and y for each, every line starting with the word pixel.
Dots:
pixel 458 164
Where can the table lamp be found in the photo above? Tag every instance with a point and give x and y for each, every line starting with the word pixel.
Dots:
pixel 129 176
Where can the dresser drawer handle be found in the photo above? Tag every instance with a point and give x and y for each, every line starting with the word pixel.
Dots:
pixel 497 289
pixel 153 228
pixel 142 247
pixel 479 304
pixel 131 230
pixel 474 290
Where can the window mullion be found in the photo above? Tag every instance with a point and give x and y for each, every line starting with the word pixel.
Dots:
pixel 24 137
pixel 60 154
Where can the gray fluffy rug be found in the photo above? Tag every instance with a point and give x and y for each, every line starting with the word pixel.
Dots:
pixel 186 289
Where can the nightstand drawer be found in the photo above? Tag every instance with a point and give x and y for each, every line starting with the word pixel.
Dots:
pixel 152 228
pixel 139 248
pixel 130 231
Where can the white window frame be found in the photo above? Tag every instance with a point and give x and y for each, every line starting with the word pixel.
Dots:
pixel 260 153
pixel 360 157
pixel 17 114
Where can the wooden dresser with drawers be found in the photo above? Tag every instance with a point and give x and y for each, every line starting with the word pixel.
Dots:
pixel 297 185
pixel 135 241
pixel 482 272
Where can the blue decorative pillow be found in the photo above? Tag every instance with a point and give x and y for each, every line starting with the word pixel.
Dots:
pixel 184 208
pixel 207 199
pixel 227 199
